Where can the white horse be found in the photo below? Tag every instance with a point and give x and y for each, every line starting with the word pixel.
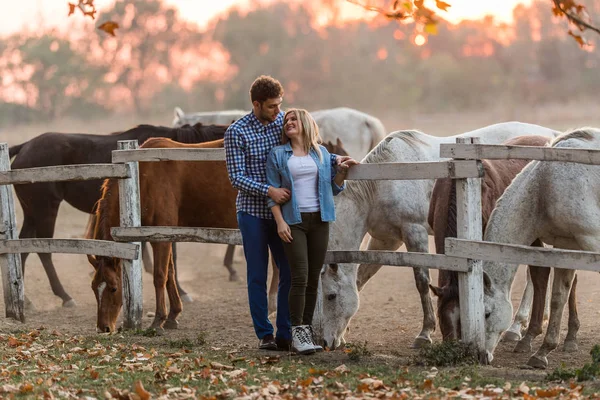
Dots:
pixel 392 212
pixel 358 131
pixel 558 203
pixel 225 117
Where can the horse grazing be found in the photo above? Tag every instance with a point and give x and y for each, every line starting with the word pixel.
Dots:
pixel 442 218
pixel 40 201
pixel 546 201
pixel 225 117
pixel 172 193
pixel 392 212
pixel 359 131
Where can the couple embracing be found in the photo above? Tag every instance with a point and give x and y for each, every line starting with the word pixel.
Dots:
pixel 286 182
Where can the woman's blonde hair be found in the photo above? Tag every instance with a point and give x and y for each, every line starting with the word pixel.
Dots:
pixel 309 132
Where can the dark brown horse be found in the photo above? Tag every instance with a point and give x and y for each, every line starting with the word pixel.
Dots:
pixel 172 193
pixel 442 219
pixel 40 201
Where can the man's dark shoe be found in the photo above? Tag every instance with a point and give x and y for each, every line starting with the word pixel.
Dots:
pixel 267 343
pixel 283 344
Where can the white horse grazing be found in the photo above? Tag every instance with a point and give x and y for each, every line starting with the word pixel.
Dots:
pixel 358 131
pixel 225 117
pixel 392 212
pixel 558 203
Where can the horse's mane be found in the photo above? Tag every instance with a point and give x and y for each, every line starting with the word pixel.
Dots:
pixel 199 132
pixel 585 133
pixel 102 230
pixel 364 190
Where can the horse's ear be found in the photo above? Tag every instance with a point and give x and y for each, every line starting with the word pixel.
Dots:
pixel 437 291
pixel 93 260
pixel 178 112
pixel 339 142
pixel 487 283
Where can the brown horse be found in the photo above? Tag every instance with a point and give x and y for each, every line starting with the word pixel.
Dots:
pixel 40 201
pixel 172 193
pixel 442 218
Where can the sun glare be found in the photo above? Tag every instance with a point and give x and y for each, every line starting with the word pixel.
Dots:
pixel 420 40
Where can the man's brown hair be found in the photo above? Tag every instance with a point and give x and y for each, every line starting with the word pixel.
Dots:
pixel 264 88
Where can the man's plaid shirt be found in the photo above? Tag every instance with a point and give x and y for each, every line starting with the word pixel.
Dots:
pixel 247 145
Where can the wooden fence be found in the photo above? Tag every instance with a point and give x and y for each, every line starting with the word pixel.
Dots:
pixel 463 254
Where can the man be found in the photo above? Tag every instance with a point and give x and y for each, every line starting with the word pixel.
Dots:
pixel 247 144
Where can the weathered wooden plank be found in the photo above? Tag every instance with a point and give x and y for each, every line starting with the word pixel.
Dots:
pixel 500 152
pixel 104 248
pixel 177 234
pixel 62 173
pixel 399 259
pixel 470 285
pixel 130 215
pixel 416 170
pixel 518 254
pixel 12 273
pixel 120 156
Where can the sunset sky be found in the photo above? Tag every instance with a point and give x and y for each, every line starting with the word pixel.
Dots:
pixel 18 14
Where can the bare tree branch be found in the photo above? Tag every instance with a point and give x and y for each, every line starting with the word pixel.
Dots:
pixel 574 18
pixel 388 14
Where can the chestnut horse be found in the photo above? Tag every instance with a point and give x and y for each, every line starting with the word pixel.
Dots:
pixel 40 201
pixel 442 218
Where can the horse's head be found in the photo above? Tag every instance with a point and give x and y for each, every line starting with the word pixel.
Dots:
pixel 498 310
pixel 448 311
pixel 337 148
pixel 340 302
pixel 107 286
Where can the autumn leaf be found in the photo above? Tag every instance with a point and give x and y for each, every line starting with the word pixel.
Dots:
pixel 140 391
pixel 442 5
pixel 578 38
pixel 431 28
pixel 72 8
pixel 109 27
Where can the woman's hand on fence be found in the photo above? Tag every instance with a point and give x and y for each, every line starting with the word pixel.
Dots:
pixel 345 166
pixel 284 232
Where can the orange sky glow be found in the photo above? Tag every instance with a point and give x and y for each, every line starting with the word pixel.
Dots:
pixel 32 14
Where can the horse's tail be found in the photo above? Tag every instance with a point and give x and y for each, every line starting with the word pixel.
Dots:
pixel 14 150
pixel 377 130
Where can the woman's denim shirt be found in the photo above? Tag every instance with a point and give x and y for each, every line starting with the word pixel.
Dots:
pixel 279 176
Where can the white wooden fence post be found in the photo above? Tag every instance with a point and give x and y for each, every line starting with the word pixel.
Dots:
pixel 12 272
pixel 470 284
pixel 129 203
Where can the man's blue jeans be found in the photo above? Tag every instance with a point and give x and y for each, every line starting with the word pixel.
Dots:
pixel 259 235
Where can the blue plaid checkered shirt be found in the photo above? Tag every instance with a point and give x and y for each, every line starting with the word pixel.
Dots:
pixel 247 145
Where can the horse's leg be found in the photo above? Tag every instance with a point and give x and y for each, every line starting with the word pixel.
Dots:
pixel 27 231
pixel 228 263
pixel 175 305
pixel 521 320
pixel 162 258
pixel 273 287
pixel 45 223
pixel 539 278
pixel 570 344
pixel 185 297
pixel 416 239
pixel 563 278
pixel 146 259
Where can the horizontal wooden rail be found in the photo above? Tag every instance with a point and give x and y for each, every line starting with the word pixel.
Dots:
pixel 121 156
pixel 416 170
pixel 526 255
pixel 177 234
pixel 501 152
pixel 104 248
pixel 62 173
pixel 400 259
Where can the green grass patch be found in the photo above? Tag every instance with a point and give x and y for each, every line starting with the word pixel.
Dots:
pixel 446 354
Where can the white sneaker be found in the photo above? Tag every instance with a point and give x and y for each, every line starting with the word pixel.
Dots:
pixel 301 340
pixel 317 348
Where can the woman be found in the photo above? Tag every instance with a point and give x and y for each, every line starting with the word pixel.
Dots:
pixel 307 169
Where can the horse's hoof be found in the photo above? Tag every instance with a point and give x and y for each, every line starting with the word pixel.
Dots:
pixel 186 298
pixel 523 347
pixel 171 324
pixel 234 277
pixel 570 346
pixel 538 362
pixel 421 341
pixel 510 336
pixel 69 304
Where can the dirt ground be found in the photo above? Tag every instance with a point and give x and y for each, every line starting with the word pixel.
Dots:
pixel 389 316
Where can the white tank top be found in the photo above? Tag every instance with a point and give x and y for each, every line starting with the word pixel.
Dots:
pixel 305 175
